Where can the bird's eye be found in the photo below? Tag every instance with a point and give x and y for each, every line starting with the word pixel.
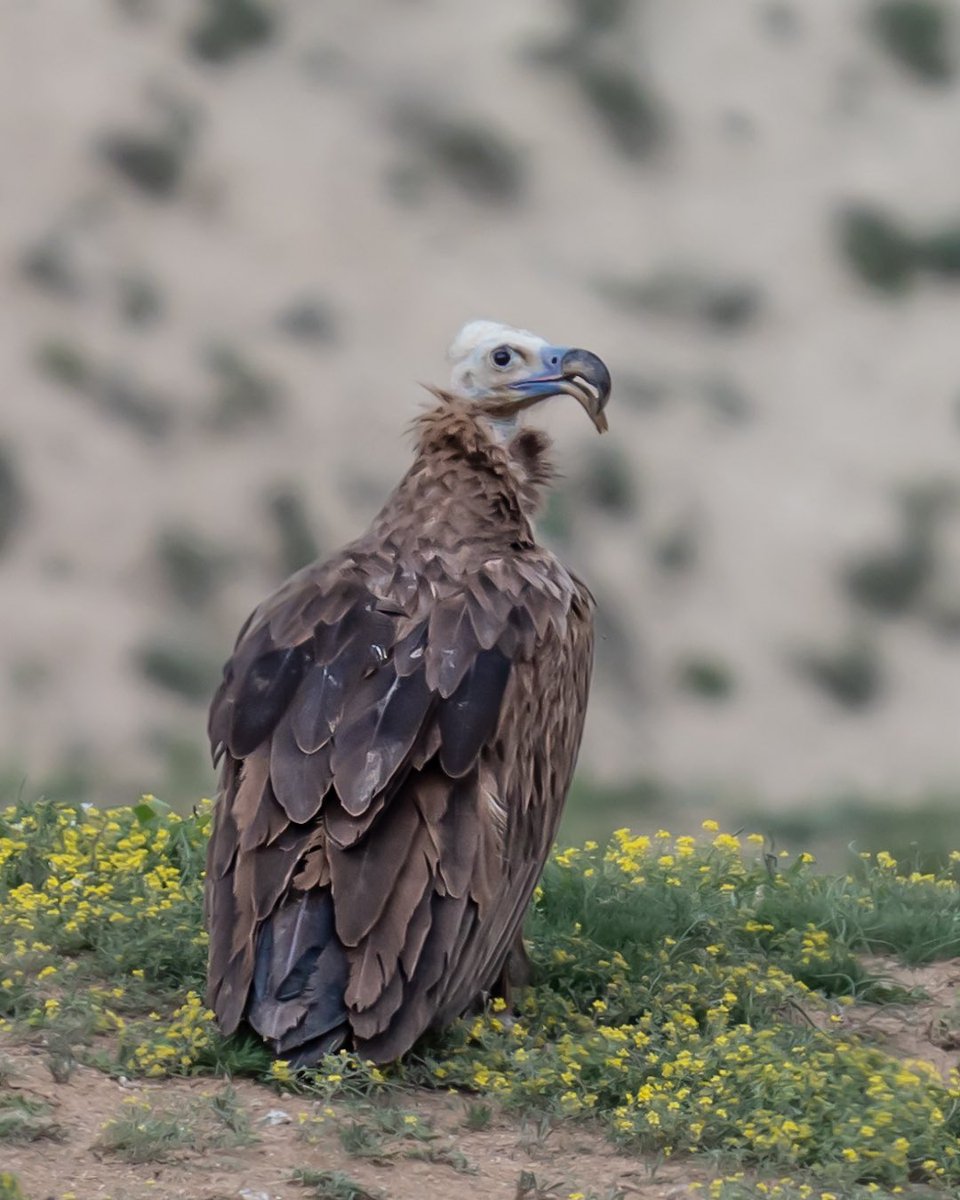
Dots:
pixel 502 357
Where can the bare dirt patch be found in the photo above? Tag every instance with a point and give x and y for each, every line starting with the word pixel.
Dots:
pixel 563 1160
pixel 928 1027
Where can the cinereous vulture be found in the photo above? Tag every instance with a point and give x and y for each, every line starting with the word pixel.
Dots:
pixel 398 727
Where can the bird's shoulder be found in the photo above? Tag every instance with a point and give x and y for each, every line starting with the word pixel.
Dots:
pixel 437 623
pixel 378 576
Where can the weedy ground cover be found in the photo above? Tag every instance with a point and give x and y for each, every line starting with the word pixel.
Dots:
pixel 689 999
pixel 147 1132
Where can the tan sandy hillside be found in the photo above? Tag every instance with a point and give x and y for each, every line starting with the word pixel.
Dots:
pixel 227 263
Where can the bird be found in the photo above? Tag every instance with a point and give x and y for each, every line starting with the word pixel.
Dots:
pixel 397 729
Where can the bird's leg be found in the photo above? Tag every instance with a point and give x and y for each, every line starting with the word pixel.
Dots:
pixel 517 971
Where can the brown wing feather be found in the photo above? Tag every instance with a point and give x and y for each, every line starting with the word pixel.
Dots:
pixel 396 763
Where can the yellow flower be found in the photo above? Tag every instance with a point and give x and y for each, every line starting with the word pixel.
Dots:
pixel 280 1070
pixel 726 841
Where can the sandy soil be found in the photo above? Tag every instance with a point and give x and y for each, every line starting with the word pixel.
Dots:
pixel 929 1029
pixel 565 1160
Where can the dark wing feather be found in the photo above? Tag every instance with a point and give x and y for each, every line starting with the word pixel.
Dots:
pixel 381 721
pixel 470 716
pixel 313 716
pixel 300 780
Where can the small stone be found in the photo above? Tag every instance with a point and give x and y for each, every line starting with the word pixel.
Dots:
pixel 276 1116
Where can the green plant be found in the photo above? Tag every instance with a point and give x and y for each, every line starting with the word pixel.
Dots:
pixel 479 160
pixel 361 1140
pixel 139 299
pixel 891 581
pixel 477 1116
pixel 939 251
pixel 626 107
pixel 689 996
pixel 850 672
pixel 228 28
pixel 25 1120
pixel 110 389
pixel 244 395
pixel 607 482
pixel 65 362
pixel 333 1185
pixel 126 399
pixel 188 671
pixel 446 1156
pixel 706 677
pixel 877 248
pixel 598 16
pixel 193 567
pixel 677 548
pixel 228 1110
pixel 49 265
pixel 153 162
pixel 12 496
pixel 686 295
pixel 297 544
pixel 529 1187
pixel 917 34
pixel 143 1134
pixel 309 320
pixel 10 1187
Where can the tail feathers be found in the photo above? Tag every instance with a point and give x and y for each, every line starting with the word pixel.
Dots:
pixel 299 979
pixel 310 1053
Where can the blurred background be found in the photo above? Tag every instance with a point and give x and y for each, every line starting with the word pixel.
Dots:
pixel 236 233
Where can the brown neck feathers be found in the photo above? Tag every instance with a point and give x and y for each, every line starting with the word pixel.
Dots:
pixel 468 486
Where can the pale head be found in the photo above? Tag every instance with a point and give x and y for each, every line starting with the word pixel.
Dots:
pixel 505 370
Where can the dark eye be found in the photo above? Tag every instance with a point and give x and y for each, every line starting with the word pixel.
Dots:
pixel 501 357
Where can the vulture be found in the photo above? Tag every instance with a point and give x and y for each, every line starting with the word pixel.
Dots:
pixel 398 726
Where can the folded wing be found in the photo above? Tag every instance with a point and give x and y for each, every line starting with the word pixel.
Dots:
pixel 395 761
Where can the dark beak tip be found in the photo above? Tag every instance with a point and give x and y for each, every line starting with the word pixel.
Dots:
pixel 590 367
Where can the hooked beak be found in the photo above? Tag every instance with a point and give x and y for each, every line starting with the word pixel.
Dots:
pixel 576 373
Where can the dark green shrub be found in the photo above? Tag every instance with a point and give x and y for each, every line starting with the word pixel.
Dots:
pixel 706 676
pixel 877 248
pixel 849 673
pixel 229 28
pixel 917 34
pixel 297 545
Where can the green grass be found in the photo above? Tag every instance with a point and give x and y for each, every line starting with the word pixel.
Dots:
pixel 147 1135
pixel 144 1132
pixel 9 1187
pixel 333 1185
pixel 23 1119
pixel 690 998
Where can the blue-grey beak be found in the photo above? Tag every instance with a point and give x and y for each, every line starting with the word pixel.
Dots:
pixel 571 372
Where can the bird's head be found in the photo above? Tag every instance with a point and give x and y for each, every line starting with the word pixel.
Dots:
pixel 505 370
